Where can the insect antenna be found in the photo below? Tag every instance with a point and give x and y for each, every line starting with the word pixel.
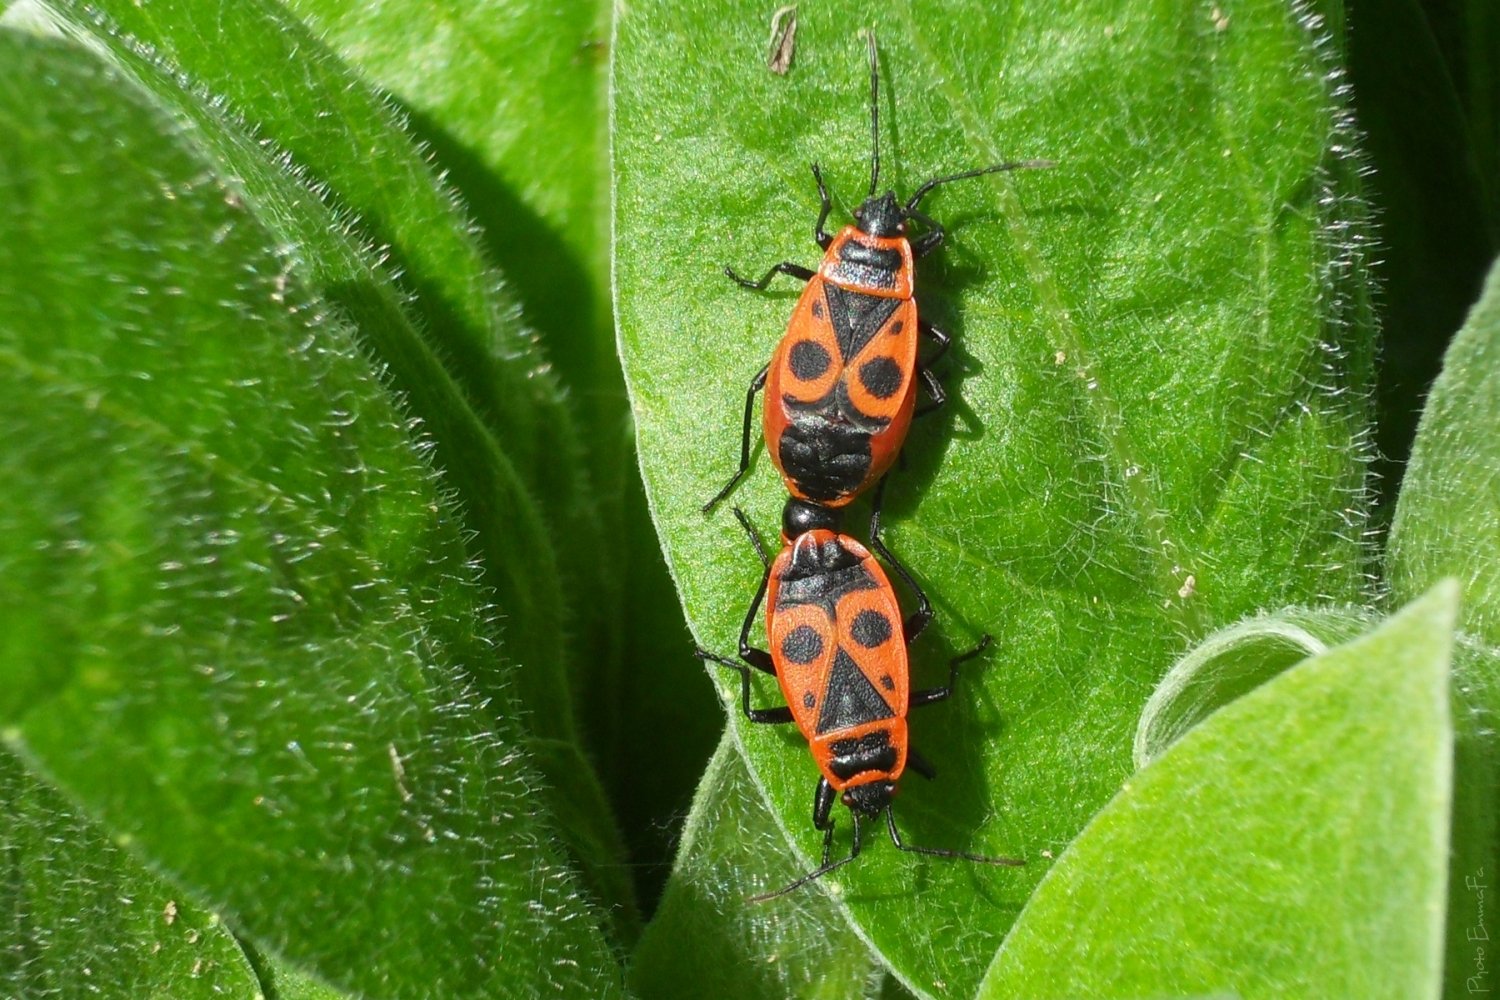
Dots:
pixel 925 189
pixel 874 111
pixel 817 872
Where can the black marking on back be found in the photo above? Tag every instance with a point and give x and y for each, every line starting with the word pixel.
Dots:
pixel 880 260
pixel 870 752
pixel 856 317
pixel 808 359
pixel 851 699
pixel 802 645
pixel 881 377
pixel 871 628
pixel 827 460
pixel 820 575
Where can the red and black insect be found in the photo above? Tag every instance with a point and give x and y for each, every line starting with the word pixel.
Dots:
pixel 839 651
pixel 841 387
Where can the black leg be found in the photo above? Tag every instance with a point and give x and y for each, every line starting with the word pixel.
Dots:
pixel 934 390
pixel 931 695
pixel 890 822
pixel 754 536
pixel 777 715
pixel 822 814
pixel 919 618
pixel 928 241
pixel 757 658
pixel 785 267
pixel 937 336
pixel 818 234
pixel 756 385
pixel 920 764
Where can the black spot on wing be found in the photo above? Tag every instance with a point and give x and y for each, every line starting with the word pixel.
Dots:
pixel 870 628
pixel 881 377
pixel 808 359
pixel 802 645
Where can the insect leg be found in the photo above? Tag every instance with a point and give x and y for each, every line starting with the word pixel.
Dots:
pixel 928 241
pixel 756 385
pixel 824 240
pixel 754 536
pixel 920 618
pixel 934 390
pixel 785 267
pixel 920 764
pixel 757 658
pixel 929 695
pixel 819 871
pixel 778 714
pixel 822 814
pixel 938 337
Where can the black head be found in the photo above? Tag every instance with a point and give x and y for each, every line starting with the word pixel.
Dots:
pixel 799 517
pixel 881 215
pixel 871 799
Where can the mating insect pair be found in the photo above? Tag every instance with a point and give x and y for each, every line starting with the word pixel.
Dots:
pixel 839 652
pixel 841 392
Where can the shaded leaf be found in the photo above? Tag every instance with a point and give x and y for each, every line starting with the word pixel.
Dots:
pixel 1294 844
pixel 511 99
pixel 1428 186
pixel 314 100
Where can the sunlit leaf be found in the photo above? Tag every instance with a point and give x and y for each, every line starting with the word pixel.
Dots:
pixel 1293 845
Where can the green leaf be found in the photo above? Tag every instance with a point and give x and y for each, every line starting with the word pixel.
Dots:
pixel 322 112
pixel 344 134
pixel 1294 844
pixel 511 99
pixel 704 941
pixel 526 580
pixel 82 916
pixel 1158 425
pixel 1448 523
pixel 238 617
pixel 1233 662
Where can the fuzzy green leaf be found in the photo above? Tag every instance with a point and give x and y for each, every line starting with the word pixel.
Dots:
pixel 1158 424
pixel 327 118
pixel 238 617
pixel 82 916
pixel 511 99
pixel 1448 523
pixel 1293 845
pixel 526 580
pixel 704 941
pixel 1234 662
